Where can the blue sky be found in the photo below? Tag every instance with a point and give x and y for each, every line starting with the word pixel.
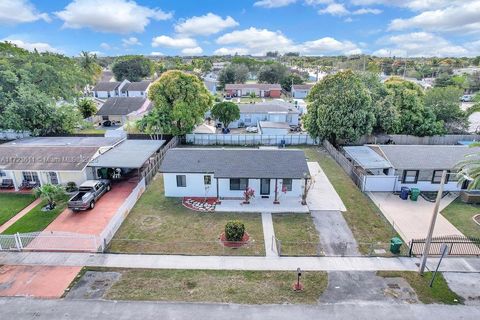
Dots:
pixel 205 27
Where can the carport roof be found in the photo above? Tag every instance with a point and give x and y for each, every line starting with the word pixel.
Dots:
pixel 367 158
pixel 128 154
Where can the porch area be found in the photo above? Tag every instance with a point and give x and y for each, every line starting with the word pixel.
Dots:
pixel 287 204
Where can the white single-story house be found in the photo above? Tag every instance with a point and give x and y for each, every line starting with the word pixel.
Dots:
pixel 388 168
pixel 110 89
pixel 121 110
pixel 273 128
pixel 301 91
pixel 273 111
pixel 32 162
pixel 227 173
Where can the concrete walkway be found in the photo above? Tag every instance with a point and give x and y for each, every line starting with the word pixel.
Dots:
pixel 24 308
pixel 17 217
pixel 269 235
pixel 233 263
pixel 322 195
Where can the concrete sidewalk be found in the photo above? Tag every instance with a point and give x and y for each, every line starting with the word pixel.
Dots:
pixel 233 263
pixel 269 235
pixel 23 309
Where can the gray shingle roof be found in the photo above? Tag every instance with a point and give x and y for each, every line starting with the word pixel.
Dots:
pixel 64 141
pixel 261 86
pixel 236 163
pixel 121 106
pixel 106 86
pixel 424 157
pixel 302 86
pixel 265 107
pixel 137 86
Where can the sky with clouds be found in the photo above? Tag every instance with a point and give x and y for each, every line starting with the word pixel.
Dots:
pixel 206 27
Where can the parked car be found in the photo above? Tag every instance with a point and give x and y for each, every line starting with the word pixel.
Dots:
pixel 107 123
pixel 467 98
pixel 252 129
pixel 88 194
pixel 295 129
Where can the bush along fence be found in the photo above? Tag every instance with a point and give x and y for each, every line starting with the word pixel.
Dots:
pixel 250 139
pixel 449 139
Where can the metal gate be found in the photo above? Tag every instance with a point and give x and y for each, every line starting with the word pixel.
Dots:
pixel 50 241
pixel 458 246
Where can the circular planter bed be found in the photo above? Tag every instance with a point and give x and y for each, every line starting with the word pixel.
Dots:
pixel 476 218
pixel 234 244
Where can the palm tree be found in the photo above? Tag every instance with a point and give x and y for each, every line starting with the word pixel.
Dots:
pixel 469 169
pixel 50 193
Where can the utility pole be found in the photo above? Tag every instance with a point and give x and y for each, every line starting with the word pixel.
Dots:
pixel 428 240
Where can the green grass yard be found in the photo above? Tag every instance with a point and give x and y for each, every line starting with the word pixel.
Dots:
pixel 13 203
pixel 247 287
pixel 461 216
pixel 36 219
pixel 363 217
pixel 163 225
pixel 297 234
pixel 439 293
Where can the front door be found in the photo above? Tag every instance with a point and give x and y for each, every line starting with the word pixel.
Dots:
pixel 264 187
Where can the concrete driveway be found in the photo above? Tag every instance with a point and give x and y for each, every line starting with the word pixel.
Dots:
pixel 412 218
pixel 322 194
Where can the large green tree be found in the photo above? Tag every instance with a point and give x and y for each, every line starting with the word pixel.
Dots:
pixel 340 108
pixel 87 107
pixel 272 73
pixel 233 73
pixel 226 112
pixel 445 103
pixel 291 78
pixel 132 68
pixel 183 99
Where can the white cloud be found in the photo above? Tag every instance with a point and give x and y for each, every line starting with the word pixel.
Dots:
pixel 273 3
pixel 19 11
pixel 132 41
pixel 167 41
pixel 30 46
pixel 367 11
pixel 192 51
pixel 335 9
pixel 329 45
pixel 417 5
pixel 230 51
pixel 420 44
pixel 156 53
pixel 463 18
pixel 105 46
pixel 205 25
pixel 115 16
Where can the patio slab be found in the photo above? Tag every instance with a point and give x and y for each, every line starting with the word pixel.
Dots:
pixel 293 205
pixel 411 219
pixel 322 195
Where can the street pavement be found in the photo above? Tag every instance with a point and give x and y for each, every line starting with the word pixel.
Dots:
pixel 24 308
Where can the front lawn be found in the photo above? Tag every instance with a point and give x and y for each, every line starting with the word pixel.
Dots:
pixel 36 219
pixel 439 293
pixel 461 216
pixel 363 217
pixel 13 203
pixel 297 234
pixel 163 225
pixel 248 287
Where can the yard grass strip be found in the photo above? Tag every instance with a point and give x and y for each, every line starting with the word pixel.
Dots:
pixel 439 293
pixel 363 217
pixel 245 287
pixel 297 234
pixel 13 203
pixel 163 225
pixel 461 214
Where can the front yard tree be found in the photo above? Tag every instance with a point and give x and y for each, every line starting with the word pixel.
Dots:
pixel 156 123
pixel 226 112
pixel 272 73
pixel 183 98
pixel 87 107
pixel 50 193
pixel 132 68
pixel 233 73
pixel 340 108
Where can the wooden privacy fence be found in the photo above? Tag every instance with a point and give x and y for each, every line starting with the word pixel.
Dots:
pixel 347 166
pixel 154 165
pixel 457 246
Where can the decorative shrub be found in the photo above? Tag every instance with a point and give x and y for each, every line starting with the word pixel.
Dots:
pixel 71 187
pixel 234 230
pixel 248 194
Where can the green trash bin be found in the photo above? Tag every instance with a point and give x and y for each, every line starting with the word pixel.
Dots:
pixel 395 244
pixel 414 193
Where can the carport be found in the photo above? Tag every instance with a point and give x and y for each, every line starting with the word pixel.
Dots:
pixel 131 159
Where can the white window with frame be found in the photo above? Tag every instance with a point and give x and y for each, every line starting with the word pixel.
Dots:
pixel 52 177
pixel 237 184
pixel 207 180
pixel 30 176
pixel 437 176
pixel 181 181
pixel 3 173
pixel 286 185
pixel 410 176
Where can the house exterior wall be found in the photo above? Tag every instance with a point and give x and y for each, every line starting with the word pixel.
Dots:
pixel 300 94
pixel 136 93
pixel 274 94
pixel 63 176
pixel 258 92
pixel 105 94
pixel 195 187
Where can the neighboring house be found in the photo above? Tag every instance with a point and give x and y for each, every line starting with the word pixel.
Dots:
pixel 226 173
pixel 273 128
pixel 391 167
pixel 217 66
pixel 270 90
pixel 105 90
pixel 301 91
pixel 121 110
pixel 59 160
pixel 107 76
pixel 273 111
